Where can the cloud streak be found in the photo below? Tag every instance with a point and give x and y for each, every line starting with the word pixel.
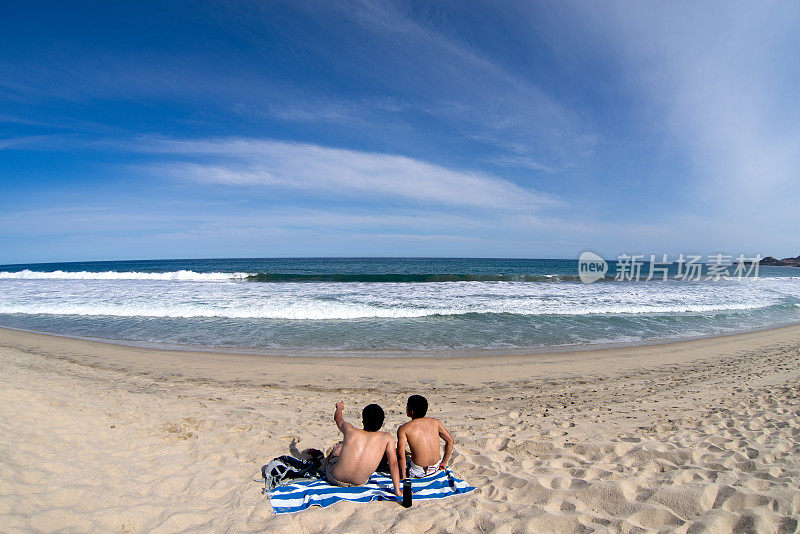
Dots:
pixel 340 172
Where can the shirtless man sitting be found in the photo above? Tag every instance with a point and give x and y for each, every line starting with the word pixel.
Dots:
pixel 422 435
pixel 357 456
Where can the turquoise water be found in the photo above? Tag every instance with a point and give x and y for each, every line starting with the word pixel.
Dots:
pixel 381 304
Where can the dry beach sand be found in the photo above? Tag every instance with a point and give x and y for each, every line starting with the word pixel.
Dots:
pixel 695 436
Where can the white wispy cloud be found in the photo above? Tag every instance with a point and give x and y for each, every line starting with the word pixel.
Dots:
pixel 718 82
pixel 27 141
pixel 525 162
pixel 308 167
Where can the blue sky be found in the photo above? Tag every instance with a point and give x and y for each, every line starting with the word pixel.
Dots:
pixel 205 129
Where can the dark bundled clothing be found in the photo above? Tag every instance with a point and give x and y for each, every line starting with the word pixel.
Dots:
pixel 287 469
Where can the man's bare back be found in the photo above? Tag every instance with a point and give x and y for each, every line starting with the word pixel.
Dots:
pixel 358 456
pixel 422 434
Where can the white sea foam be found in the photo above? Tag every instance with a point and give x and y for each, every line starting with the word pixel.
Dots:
pixel 182 276
pixel 307 312
pixel 174 297
pixel 174 307
pixel 318 311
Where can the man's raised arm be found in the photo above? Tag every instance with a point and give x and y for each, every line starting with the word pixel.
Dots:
pixel 339 418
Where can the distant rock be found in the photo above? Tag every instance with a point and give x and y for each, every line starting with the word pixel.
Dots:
pixel 785 262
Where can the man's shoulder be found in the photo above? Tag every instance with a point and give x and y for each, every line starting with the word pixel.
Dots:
pixel 383 436
pixel 374 433
pixel 348 429
pixel 420 421
pixel 420 424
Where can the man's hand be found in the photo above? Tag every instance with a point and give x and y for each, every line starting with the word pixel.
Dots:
pixel 338 417
pixel 443 466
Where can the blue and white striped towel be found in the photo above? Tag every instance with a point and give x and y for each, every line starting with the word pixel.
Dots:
pixel 300 495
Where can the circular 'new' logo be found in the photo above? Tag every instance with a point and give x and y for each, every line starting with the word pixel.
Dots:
pixel 591 267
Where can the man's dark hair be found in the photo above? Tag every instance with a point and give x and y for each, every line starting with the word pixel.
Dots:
pixel 372 417
pixel 417 405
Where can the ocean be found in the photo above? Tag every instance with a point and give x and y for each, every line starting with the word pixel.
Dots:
pixel 345 306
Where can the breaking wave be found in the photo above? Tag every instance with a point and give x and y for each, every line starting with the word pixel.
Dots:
pixel 179 276
pixel 192 276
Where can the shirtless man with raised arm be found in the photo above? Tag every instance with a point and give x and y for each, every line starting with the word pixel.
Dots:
pixel 353 460
pixel 422 435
